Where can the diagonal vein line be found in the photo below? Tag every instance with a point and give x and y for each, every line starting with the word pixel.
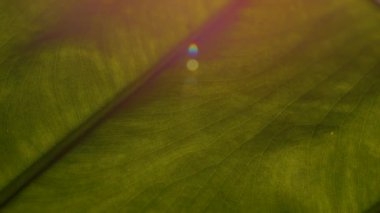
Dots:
pixel 214 25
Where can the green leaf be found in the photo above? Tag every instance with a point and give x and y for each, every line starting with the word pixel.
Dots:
pixel 64 63
pixel 281 116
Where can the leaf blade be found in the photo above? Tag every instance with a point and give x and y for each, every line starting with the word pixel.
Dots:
pixel 229 144
pixel 65 95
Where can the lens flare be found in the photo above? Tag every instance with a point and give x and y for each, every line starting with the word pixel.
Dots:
pixel 193 50
pixel 192 65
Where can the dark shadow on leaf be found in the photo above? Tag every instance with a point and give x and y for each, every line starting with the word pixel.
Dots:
pixel 85 21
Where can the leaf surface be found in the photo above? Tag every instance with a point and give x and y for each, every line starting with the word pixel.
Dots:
pixel 64 63
pixel 281 116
